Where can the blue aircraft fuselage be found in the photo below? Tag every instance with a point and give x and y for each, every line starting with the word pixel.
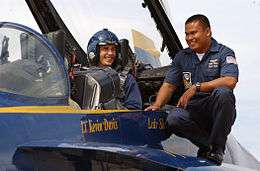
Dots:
pixel 40 131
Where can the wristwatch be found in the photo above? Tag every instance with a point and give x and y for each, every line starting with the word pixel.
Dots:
pixel 198 85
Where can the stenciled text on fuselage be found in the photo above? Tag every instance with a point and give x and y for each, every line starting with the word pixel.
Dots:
pixel 156 123
pixel 89 126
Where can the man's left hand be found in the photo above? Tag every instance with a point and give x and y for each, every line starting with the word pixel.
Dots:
pixel 187 95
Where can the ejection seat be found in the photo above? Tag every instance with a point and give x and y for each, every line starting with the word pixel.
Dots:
pixel 97 88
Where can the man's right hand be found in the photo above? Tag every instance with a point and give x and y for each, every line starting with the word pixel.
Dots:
pixel 162 97
pixel 152 108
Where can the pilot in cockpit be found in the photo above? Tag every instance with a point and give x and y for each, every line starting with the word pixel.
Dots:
pixel 103 50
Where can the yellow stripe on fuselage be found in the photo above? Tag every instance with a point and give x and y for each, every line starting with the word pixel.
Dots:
pixel 54 109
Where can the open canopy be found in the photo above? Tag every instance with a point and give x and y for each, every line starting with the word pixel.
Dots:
pixel 30 67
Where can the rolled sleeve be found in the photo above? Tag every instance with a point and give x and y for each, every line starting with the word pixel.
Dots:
pixel 229 65
pixel 173 76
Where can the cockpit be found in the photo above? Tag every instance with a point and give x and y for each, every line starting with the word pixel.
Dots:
pixel 32 72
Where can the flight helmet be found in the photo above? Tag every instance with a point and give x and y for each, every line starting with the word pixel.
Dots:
pixel 102 37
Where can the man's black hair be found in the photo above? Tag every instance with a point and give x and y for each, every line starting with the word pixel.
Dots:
pixel 199 17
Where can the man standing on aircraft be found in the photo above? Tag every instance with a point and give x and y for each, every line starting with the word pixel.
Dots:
pixel 208 73
pixel 103 50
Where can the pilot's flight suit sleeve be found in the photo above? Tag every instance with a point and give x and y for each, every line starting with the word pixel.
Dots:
pixel 132 99
pixel 229 65
pixel 174 75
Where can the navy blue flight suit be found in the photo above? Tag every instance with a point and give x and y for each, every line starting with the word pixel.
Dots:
pixel 132 98
pixel 208 117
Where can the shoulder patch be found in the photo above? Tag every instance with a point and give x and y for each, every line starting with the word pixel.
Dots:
pixel 231 60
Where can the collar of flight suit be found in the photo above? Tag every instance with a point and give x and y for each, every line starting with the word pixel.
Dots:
pixel 215 46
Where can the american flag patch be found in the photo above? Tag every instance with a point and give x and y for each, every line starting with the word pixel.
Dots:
pixel 231 60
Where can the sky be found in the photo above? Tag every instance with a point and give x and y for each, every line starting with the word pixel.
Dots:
pixel 235 23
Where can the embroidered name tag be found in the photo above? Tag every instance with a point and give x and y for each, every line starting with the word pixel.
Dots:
pixel 213 63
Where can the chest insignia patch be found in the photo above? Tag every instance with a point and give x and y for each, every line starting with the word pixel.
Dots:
pixel 213 63
pixel 187 79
